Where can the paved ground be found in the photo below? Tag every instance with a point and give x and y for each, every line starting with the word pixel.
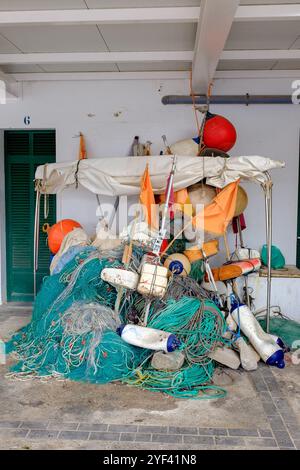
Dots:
pixel 261 411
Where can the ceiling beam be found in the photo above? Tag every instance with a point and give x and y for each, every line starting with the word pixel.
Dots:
pixel 249 74
pixel 215 21
pixel 268 13
pixel 100 16
pixel 79 76
pixel 289 54
pixel 95 57
pixel 167 75
pixel 143 15
pixel 207 72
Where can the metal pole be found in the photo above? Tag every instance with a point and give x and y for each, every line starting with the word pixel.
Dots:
pixel 246 99
pixel 36 239
pixel 267 186
pixel 114 212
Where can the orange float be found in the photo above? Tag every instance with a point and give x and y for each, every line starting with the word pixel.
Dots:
pixel 57 232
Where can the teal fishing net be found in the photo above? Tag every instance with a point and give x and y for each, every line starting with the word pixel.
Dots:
pixel 73 332
pixel 200 326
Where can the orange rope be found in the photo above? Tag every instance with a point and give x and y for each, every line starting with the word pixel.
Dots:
pixel 194 105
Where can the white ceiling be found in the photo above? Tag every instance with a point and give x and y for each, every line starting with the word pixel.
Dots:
pixel 248 35
pixel 263 35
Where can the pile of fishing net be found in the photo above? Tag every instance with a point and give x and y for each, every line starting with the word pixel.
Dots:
pixel 73 331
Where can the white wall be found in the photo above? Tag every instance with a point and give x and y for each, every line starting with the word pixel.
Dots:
pixel 124 109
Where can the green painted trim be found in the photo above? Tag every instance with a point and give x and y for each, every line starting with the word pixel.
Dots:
pixel 298 229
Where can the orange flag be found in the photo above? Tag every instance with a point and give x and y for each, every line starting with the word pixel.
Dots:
pixel 82 149
pixel 217 215
pixel 148 200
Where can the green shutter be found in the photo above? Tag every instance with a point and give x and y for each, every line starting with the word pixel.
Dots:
pixel 24 151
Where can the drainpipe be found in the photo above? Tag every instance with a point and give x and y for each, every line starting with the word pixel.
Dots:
pixel 229 99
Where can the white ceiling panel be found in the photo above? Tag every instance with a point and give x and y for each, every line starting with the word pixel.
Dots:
pixel 141 3
pixel 154 66
pixel 149 37
pixel 263 35
pixel 55 38
pixel 287 65
pixel 6 47
pixel 246 64
pixel 80 67
pixel 21 68
pixel 13 5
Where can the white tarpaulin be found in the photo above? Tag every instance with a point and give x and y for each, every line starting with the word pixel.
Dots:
pixel 122 176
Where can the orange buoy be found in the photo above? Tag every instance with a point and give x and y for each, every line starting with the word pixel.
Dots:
pixel 58 231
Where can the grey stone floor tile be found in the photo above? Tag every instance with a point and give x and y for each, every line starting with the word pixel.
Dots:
pixel 289 418
pixel 277 423
pixel 74 435
pixel 213 432
pixel 265 432
pixel 152 429
pixel 35 424
pixel 13 433
pixel 260 442
pixel 142 437
pixel 201 440
pixel 59 426
pixel 42 434
pixel 182 430
pixel 92 427
pixel 270 409
pixel 243 432
pixel 167 438
pixel 283 439
pixel 122 428
pixel 104 436
pixel 9 424
pixel 128 436
pixel 230 441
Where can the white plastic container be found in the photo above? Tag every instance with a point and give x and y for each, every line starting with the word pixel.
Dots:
pixel 262 342
pixel 153 280
pixel 120 278
pixel 148 338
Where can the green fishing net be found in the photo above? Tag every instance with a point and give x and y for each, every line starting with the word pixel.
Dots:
pixel 73 333
pixel 286 329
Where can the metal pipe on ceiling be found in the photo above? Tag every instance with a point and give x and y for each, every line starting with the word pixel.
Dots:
pixel 228 99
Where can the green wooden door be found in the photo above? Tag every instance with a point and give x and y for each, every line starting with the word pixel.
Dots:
pixel 24 151
pixel 298 230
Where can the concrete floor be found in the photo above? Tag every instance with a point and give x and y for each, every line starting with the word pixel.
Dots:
pixel 261 410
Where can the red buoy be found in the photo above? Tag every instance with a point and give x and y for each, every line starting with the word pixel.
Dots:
pixel 219 133
pixel 58 231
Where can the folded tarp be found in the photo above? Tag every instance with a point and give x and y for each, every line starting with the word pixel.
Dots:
pixel 122 176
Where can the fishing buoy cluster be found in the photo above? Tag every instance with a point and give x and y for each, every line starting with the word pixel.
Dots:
pixel 219 135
